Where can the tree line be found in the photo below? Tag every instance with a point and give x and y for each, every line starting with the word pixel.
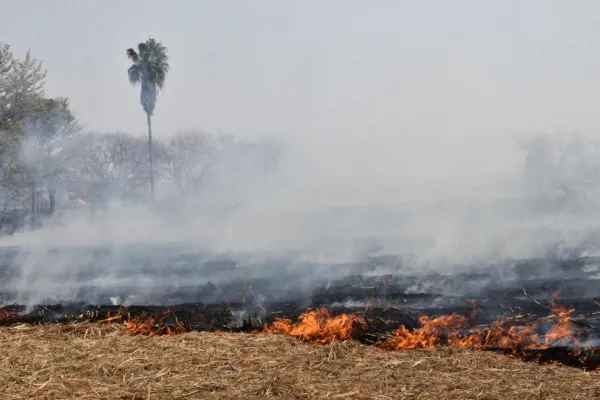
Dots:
pixel 44 150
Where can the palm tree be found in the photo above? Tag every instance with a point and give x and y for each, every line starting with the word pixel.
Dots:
pixel 150 67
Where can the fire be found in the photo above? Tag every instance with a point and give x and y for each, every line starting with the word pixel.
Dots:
pixel 150 327
pixel 562 331
pixel 454 330
pixel 318 326
pixel 147 325
pixel 6 314
pixel 506 334
pixel 428 336
pixel 499 335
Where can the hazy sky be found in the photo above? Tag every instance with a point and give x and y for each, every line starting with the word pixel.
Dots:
pixel 372 90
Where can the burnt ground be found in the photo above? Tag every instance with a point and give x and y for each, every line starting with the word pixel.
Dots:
pixel 173 275
pixel 232 297
pixel 281 287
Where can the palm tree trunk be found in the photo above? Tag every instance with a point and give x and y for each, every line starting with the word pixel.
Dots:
pixel 150 156
pixel 52 200
pixel 33 205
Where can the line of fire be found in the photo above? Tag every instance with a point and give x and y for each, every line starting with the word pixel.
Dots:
pixel 544 320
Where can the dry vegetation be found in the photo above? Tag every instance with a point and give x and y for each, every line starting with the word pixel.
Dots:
pixel 87 361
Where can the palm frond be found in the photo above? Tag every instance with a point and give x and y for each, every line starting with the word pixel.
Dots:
pixel 134 73
pixel 160 78
pixel 133 56
pixel 142 50
pixel 150 68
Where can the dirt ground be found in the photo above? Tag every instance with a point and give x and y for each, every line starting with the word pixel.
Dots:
pixel 87 361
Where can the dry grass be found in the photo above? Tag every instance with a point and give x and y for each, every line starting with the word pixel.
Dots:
pixel 103 362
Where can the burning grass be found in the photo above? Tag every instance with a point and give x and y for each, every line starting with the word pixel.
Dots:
pixel 103 361
pixel 318 326
pixel 558 338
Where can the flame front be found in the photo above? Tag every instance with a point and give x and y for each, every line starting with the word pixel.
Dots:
pixel 556 330
pixel 150 327
pixel 318 326
pixel 429 335
pixel 454 330
pixel 501 334
pixel 7 314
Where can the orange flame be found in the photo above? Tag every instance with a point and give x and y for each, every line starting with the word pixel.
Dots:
pixel 6 314
pixel 453 330
pixel 148 326
pixel 496 335
pixel 427 337
pixel 318 326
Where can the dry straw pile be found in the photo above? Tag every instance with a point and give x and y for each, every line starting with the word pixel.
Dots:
pixel 86 361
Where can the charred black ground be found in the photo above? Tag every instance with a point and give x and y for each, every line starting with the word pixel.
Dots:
pixel 232 297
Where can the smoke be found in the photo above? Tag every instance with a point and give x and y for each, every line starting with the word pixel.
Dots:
pixel 289 227
pixel 396 155
pixel 248 225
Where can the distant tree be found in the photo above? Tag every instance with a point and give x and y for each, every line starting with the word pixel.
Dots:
pixel 21 86
pixel 43 150
pixel 189 160
pixel 110 165
pixel 149 69
pixel 12 183
pixel 33 129
pixel 7 61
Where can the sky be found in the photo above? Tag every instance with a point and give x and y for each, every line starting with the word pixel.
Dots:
pixel 376 96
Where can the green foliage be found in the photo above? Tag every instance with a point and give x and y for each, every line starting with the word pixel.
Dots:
pixel 32 127
pixel 41 148
pixel 21 87
pixel 149 69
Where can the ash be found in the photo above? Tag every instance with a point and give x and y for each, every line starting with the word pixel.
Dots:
pixel 174 274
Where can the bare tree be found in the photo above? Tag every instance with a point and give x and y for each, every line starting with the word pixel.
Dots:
pixel 111 165
pixel 189 160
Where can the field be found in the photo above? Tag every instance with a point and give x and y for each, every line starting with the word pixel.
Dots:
pixel 546 309
pixel 94 361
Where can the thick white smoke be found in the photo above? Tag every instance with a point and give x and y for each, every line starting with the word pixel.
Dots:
pixel 395 122
pixel 137 250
